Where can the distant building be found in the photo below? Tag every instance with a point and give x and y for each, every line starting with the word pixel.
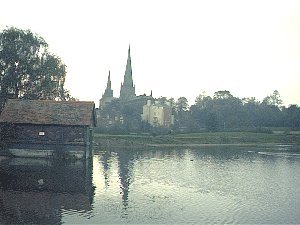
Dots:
pixel 43 128
pixel 158 114
pixel 120 111
pixel 127 91
pixel 108 95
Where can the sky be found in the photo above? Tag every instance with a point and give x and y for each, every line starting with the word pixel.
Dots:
pixel 178 47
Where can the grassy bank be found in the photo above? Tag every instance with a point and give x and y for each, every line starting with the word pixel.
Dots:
pixel 230 138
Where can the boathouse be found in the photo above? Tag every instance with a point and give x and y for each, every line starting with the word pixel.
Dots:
pixel 44 128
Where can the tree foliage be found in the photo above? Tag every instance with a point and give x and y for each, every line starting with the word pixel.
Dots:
pixel 181 104
pixel 27 69
pixel 226 112
pixel 221 112
pixel 273 99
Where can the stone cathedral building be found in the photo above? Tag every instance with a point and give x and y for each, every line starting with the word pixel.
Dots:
pixel 108 95
pixel 127 110
pixel 127 90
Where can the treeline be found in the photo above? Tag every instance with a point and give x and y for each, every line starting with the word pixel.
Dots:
pixel 223 111
pixel 220 112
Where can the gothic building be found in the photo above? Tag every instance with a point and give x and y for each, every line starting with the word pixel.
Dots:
pixel 108 95
pixel 127 110
pixel 127 91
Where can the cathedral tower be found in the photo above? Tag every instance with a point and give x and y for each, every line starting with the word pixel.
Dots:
pixel 108 91
pixel 108 95
pixel 127 91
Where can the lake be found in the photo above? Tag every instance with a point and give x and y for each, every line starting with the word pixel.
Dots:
pixel 209 184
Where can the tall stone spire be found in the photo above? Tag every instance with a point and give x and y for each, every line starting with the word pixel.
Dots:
pixel 108 91
pixel 127 91
pixel 108 95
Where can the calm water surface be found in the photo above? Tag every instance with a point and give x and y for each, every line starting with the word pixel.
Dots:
pixel 252 185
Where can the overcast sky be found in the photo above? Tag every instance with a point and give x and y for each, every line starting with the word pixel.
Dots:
pixel 178 48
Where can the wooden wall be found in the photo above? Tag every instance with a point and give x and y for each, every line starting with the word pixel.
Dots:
pixel 28 133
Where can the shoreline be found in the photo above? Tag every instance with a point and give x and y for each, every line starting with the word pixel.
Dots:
pixel 205 145
pixel 195 140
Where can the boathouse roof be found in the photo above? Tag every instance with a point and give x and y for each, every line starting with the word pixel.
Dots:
pixel 74 113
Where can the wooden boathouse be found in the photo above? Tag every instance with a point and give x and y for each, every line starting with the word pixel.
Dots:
pixel 46 128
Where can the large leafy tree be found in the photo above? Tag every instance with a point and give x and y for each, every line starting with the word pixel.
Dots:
pixel 181 104
pixel 182 114
pixel 203 100
pixel 27 69
pixel 292 117
pixel 274 99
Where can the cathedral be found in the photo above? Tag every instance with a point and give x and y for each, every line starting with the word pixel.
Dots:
pixel 114 110
pixel 129 110
pixel 127 90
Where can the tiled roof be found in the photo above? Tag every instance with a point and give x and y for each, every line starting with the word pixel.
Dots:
pixel 48 112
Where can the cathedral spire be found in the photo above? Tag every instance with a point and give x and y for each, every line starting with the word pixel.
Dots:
pixel 108 95
pixel 127 88
pixel 108 91
pixel 108 86
pixel 128 72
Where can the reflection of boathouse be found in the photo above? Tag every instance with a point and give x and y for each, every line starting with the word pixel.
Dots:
pixel 38 191
pixel 46 128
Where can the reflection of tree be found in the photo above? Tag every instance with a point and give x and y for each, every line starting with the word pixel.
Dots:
pixel 36 190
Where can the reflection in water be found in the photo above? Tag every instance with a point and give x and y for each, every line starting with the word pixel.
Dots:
pixel 124 163
pixel 220 184
pixel 35 191
pixel 125 160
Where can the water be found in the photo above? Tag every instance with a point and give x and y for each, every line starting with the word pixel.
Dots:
pixel 217 184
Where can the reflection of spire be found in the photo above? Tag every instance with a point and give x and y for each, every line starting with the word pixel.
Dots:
pixel 124 171
pixel 105 159
pixel 125 159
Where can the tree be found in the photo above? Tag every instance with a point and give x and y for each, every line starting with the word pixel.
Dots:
pixel 27 69
pixel 182 115
pixel 181 104
pixel 162 100
pixel 250 101
pixel 270 112
pixel 273 99
pixel 251 112
pixel 212 123
pixel 292 116
pixel 202 100
pixel 172 102
pixel 223 95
